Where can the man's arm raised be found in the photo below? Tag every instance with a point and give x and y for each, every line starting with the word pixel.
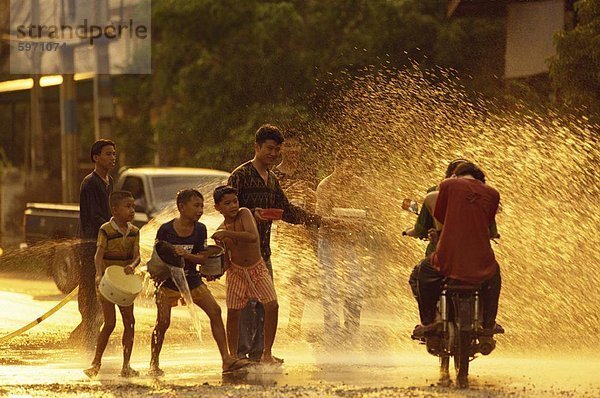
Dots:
pixel 294 214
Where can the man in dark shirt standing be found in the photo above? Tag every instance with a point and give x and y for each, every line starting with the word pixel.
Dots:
pixel 94 211
pixel 258 189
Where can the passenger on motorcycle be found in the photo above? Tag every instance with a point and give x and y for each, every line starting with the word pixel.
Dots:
pixel 424 223
pixel 466 208
pixel 425 218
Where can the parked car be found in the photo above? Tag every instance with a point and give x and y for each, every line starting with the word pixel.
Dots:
pixel 153 189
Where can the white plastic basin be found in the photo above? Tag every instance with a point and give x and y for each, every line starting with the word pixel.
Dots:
pixel 118 287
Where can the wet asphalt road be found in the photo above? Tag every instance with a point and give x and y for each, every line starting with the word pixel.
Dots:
pixel 40 362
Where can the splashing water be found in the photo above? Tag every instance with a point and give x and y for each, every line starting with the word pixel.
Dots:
pixel 405 127
pixel 178 276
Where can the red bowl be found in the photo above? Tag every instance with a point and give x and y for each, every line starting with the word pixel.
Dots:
pixel 272 214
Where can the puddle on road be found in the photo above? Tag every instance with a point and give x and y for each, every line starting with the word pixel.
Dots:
pixel 39 363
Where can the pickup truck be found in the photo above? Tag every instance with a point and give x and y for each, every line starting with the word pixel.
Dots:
pixel 153 189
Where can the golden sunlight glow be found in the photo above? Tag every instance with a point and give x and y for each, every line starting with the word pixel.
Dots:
pixel 45 81
pixel 16 85
pixel 84 76
pixel 53 80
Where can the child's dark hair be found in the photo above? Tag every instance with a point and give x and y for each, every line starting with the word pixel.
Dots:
pixel 185 195
pixel 453 165
pixel 268 132
pixel 118 196
pixel 471 169
pixel 222 191
pixel 98 145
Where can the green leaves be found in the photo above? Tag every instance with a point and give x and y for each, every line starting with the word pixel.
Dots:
pixel 221 68
pixel 575 70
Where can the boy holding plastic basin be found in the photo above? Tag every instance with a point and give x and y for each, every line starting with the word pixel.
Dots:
pixel 118 244
pixel 247 275
pixel 188 236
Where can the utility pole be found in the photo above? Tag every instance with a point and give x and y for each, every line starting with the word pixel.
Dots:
pixel 103 101
pixel 156 158
pixel 35 127
pixel 69 139
pixel 36 138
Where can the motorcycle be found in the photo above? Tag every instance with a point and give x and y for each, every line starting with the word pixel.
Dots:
pixel 458 331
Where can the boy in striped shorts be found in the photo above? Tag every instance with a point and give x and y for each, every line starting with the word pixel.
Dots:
pixel 247 275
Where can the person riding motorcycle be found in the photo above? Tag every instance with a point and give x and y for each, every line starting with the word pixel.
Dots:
pixel 424 224
pixel 465 207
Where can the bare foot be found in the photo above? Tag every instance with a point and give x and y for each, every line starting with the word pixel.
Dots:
pixel 271 360
pixel 155 371
pixel 93 371
pixel 233 364
pixel 129 372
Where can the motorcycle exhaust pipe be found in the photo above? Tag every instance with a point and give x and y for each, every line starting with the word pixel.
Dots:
pixel 486 345
pixel 444 311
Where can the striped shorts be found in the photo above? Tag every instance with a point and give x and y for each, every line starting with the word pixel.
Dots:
pixel 245 283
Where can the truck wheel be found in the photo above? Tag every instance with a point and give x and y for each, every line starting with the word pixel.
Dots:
pixel 65 267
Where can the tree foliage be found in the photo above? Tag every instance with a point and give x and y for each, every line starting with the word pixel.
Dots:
pixel 575 70
pixel 223 67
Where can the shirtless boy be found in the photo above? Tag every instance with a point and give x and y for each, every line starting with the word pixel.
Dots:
pixel 247 276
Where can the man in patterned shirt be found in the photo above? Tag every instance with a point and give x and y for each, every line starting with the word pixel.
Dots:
pixel 258 189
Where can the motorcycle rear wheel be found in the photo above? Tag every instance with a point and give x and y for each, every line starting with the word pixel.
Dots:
pixel 461 359
pixel 444 380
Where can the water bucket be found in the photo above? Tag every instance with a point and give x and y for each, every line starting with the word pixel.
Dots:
pixel 162 259
pixel 118 287
pixel 215 264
